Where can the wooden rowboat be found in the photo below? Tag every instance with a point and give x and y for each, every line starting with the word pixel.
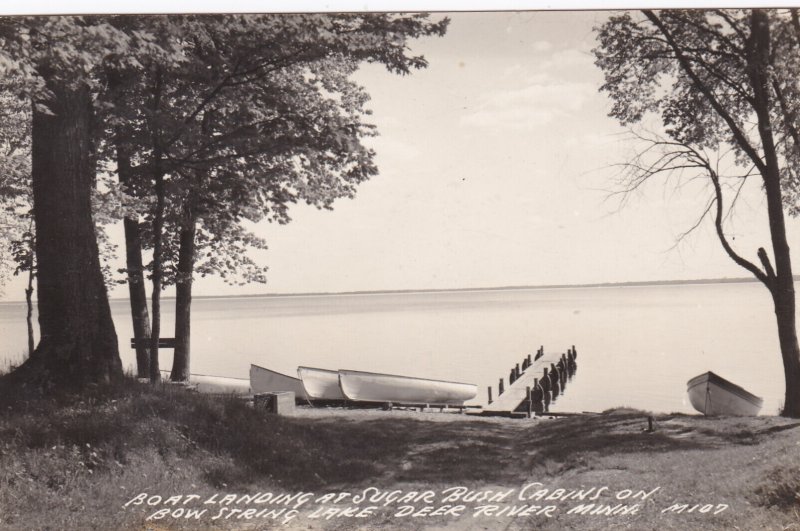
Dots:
pixel 711 394
pixel 320 384
pixel 376 387
pixel 264 380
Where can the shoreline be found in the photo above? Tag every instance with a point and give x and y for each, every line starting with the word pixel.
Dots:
pixel 113 459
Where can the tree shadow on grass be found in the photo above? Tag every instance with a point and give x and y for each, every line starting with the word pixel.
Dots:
pixel 604 435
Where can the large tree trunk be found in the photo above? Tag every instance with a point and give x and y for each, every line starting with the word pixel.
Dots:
pixel 78 342
pixel 135 270
pixel 183 293
pixel 781 281
pixel 790 351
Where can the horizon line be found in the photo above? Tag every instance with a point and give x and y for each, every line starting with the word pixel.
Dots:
pixel 632 283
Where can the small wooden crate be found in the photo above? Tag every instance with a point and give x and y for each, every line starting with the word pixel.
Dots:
pixel 280 403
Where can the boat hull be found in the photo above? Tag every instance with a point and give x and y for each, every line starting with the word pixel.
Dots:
pixel 264 380
pixel 320 384
pixel 376 387
pixel 711 394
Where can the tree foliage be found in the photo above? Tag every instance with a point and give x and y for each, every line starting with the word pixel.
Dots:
pixel 695 70
pixel 262 113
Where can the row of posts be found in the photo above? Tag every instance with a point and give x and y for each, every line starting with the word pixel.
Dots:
pixel 553 382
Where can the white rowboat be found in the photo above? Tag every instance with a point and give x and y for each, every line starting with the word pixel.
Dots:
pixel 376 387
pixel 320 384
pixel 711 394
pixel 267 381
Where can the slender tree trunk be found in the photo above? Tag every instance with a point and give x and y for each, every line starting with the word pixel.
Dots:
pixel 183 293
pixel 138 296
pixel 158 229
pixel 29 317
pixel 781 283
pixel 31 264
pixel 78 342
pixel 135 270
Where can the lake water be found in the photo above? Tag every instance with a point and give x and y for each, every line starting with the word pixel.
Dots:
pixel 637 346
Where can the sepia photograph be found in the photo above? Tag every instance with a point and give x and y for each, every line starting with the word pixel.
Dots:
pixel 334 266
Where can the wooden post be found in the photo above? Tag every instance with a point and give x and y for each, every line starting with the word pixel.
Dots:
pixel 530 361
pixel 490 393
pixel 555 379
pixel 516 371
pixel 574 352
pixel 500 387
pixel 650 428
pixel 546 389
pixel 537 397
pixel 530 401
pixel 512 376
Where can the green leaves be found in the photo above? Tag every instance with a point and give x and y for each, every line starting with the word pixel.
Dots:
pixel 260 113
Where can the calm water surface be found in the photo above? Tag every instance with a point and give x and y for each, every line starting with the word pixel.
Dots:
pixel 637 346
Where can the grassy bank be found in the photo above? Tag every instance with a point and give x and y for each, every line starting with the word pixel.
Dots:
pixel 74 462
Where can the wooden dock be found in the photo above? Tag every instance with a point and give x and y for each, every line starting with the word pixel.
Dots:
pixel 515 398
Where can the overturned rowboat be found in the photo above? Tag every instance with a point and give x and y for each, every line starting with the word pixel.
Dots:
pixel 263 380
pixel 711 394
pixel 376 387
pixel 320 384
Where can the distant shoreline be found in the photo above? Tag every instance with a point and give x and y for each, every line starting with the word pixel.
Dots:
pixel 632 284
pixel 647 283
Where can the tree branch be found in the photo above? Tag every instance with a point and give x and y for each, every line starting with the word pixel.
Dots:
pixel 768 278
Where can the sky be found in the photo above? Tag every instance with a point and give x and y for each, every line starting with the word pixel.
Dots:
pixel 498 164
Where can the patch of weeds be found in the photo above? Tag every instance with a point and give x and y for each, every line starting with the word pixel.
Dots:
pixel 781 489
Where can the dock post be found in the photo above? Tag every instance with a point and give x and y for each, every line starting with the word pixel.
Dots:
pixel 500 387
pixel 530 361
pixel 574 352
pixel 537 397
pixel 512 376
pixel 555 380
pixel 546 389
pixel 516 371
pixel 530 402
pixel 490 393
